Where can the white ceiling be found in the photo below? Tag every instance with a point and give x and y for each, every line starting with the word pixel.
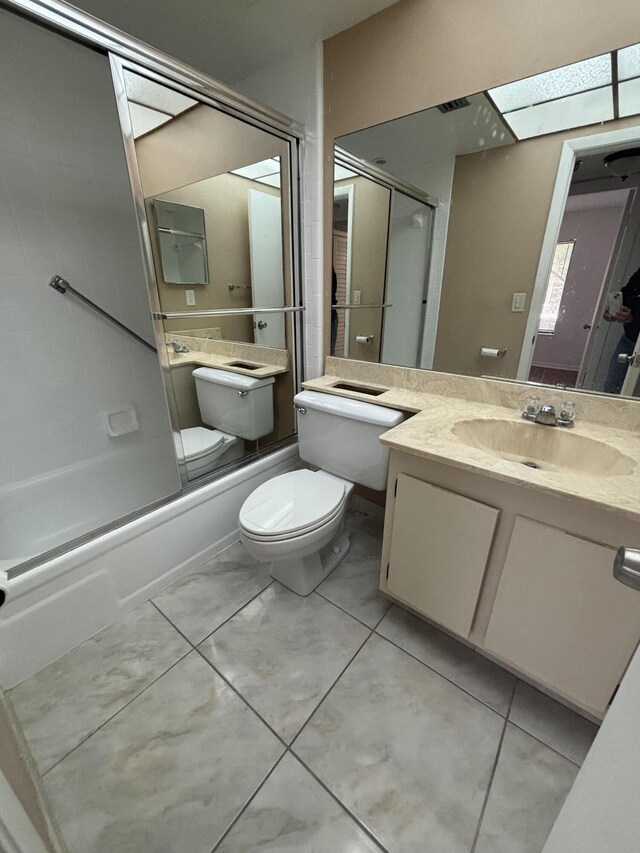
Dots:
pixel 230 39
pixel 428 137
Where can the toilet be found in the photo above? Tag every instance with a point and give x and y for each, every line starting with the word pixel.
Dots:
pixel 295 521
pixel 236 407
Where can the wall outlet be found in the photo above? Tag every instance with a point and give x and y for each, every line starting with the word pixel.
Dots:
pixel 190 296
pixel 357 296
pixel 518 301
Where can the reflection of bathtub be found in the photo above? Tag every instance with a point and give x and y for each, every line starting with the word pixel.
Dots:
pixel 55 606
pixel 44 512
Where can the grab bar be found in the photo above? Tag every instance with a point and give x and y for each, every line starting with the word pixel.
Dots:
pixel 62 286
pixel 224 312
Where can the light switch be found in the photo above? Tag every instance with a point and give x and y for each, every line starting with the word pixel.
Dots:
pixel 190 297
pixel 357 295
pixel 518 301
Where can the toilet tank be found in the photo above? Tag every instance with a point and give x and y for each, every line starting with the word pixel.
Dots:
pixel 235 403
pixel 341 436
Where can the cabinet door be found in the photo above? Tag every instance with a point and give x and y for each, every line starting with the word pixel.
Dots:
pixel 440 543
pixel 561 617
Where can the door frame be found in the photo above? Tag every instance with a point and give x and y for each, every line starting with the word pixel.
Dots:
pixel 600 143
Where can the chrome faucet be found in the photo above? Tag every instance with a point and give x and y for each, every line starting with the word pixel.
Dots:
pixel 177 346
pixel 546 413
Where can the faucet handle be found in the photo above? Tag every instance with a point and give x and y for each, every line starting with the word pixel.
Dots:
pixel 532 405
pixel 567 412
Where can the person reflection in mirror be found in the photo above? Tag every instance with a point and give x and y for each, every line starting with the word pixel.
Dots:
pixel 629 316
pixel 334 313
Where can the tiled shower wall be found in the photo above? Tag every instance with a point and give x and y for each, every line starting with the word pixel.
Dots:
pixel 293 86
pixel 66 207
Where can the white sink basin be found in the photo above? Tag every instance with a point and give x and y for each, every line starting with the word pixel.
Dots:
pixel 548 448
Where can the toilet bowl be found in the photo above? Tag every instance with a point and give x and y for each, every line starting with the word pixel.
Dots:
pixel 296 520
pixel 207 449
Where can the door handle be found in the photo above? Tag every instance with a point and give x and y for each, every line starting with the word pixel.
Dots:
pixel 626 359
pixel 262 324
pixel 586 326
pixel 626 567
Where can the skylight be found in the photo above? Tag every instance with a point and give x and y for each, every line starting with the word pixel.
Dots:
pixel 264 171
pixel 589 92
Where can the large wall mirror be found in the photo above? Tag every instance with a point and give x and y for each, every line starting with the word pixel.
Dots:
pixel 218 208
pixel 498 234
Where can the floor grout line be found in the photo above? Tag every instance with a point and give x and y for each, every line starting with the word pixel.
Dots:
pixel 493 773
pixel 115 714
pixel 543 743
pixel 228 619
pixel 446 678
pixel 344 610
pixel 248 803
pixel 333 684
pixel 240 696
pixel 337 799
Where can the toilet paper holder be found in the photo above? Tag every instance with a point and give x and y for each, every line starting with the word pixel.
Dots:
pixel 492 352
pixel 363 339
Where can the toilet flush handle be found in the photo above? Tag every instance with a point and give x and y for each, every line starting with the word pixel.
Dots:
pixel 300 409
pixel 242 393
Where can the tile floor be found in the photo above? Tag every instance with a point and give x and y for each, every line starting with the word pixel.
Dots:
pixel 229 714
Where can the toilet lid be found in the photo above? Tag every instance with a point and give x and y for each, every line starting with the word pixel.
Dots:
pixel 291 503
pixel 199 441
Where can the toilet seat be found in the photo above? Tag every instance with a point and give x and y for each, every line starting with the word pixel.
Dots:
pixel 198 442
pixel 292 505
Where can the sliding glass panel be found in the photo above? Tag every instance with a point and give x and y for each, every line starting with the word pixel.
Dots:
pixel 217 196
pixel 407 269
pixel 85 429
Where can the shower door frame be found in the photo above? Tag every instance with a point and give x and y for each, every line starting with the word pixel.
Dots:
pixel 126 52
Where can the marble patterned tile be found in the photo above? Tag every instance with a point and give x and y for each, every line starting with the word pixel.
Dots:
pixel 201 601
pixel 63 704
pixel 530 785
pixel 406 751
pixel 552 723
pixel 283 652
pixel 353 586
pixel 293 813
pixel 483 679
pixel 170 772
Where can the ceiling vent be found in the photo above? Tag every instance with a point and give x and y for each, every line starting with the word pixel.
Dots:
pixel 450 106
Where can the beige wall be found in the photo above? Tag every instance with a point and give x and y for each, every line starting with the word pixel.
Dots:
pixel 199 144
pixel 370 224
pixel 14 766
pixel 419 53
pixel 499 211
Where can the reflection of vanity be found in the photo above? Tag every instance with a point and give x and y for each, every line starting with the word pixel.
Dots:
pixel 514 560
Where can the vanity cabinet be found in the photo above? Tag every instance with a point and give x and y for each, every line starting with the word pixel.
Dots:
pixel 523 576
pixel 560 616
pixel 439 548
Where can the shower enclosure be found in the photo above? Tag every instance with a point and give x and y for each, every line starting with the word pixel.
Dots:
pixel 92 416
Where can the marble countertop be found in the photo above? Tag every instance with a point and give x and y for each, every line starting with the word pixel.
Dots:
pixel 430 434
pixel 223 362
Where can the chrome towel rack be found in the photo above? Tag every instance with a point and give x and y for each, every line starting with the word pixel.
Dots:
pixel 62 286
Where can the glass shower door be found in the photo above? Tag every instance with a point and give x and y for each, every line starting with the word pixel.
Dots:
pixel 85 426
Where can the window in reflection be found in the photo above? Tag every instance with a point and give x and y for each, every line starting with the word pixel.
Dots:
pixel 555 288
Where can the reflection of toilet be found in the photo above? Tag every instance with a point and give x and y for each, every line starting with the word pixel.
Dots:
pixel 237 406
pixel 296 521
pixel 207 449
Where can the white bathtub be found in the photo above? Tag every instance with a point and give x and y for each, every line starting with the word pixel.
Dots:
pixel 44 512
pixel 52 608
